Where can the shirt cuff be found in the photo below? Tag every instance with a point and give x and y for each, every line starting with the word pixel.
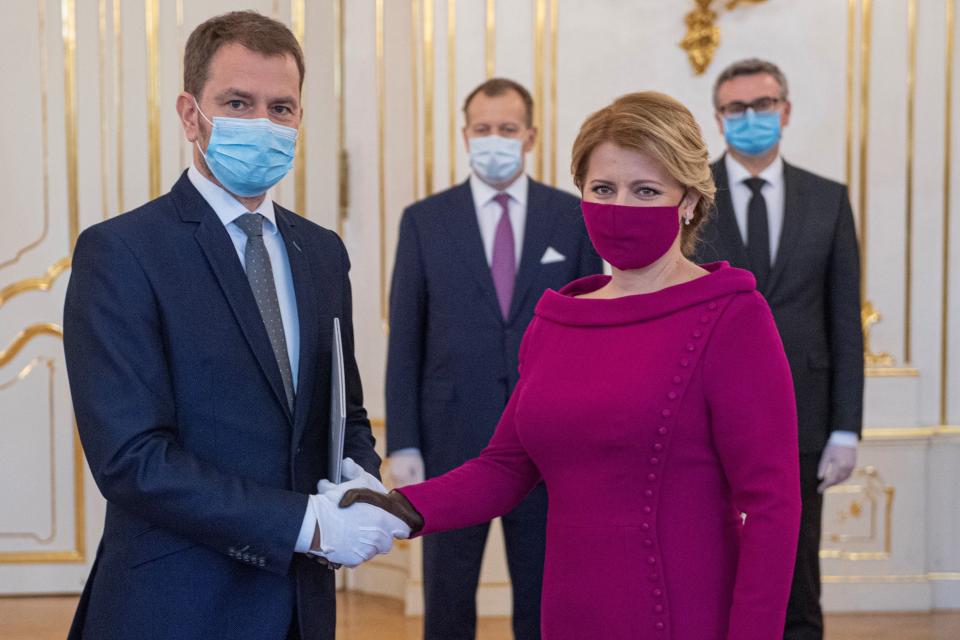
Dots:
pixel 844 439
pixel 307 529
pixel 405 451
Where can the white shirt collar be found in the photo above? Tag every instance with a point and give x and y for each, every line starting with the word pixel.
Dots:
pixel 484 193
pixel 226 206
pixel 737 173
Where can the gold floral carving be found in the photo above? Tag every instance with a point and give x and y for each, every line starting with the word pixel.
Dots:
pixel 703 34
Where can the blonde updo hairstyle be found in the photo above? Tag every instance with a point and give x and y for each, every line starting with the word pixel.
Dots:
pixel 658 126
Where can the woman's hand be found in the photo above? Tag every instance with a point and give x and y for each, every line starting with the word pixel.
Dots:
pixel 393 503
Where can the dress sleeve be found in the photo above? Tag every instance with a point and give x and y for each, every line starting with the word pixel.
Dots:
pixel 486 487
pixel 754 425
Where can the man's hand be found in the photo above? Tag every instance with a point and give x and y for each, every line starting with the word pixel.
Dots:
pixel 836 464
pixel 352 536
pixel 406 467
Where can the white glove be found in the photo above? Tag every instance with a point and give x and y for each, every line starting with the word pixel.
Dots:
pixel 354 535
pixel 836 464
pixel 406 467
pixel 354 477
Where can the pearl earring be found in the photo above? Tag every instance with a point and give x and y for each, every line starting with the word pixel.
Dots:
pixel 686 220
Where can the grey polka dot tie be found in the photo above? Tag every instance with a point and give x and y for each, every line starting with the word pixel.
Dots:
pixel 260 275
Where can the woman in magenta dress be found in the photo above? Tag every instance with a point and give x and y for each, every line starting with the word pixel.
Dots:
pixel 656 405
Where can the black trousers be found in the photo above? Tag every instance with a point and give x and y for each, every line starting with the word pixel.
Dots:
pixel 804 617
pixel 451 573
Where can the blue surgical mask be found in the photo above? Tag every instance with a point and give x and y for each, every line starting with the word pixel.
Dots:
pixel 496 159
pixel 752 133
pixel 248 156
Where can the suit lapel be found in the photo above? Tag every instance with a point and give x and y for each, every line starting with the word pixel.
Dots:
pixel 465 230
pixel 221 254
pixel 792 224
pixel 536 237
pixel 727 227
pixel 309 291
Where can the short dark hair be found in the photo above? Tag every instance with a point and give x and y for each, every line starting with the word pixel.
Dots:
pixel 497 87
pixel 249 28
pixel 750 67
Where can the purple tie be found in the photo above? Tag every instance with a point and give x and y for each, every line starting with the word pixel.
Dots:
pixel 504 267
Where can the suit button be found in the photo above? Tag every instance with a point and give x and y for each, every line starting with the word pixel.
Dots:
pixel 299 450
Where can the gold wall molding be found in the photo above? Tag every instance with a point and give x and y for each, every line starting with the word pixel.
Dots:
pixel 381 73
pixel 42 283
pixel 490 38
pixel 102 87
pixel 68 17
pixel 428 89
pixel 298 24
pixel 539 27
pixel 908 231
pixel 947 177
pixel 703 34
pixel 869 500
pixel 44 139
pixel 910 433
pixel 415 93
pixel 339 75
pixel 554 45
pixel 78 553
pixel 152 30
pixel 22 375
pixel 452 89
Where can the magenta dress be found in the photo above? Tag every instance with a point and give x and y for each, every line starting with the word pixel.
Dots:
pixel 655 422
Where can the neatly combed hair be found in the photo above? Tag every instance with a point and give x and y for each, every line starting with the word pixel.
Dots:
pixel 656 125
pixel 751 67
pixel 497 87
pixel 249 28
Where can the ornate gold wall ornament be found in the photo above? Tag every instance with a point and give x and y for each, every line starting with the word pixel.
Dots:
pixel 703 35
pixel 861 524
pixel 21 339
pixel 43 283
pixel 870 316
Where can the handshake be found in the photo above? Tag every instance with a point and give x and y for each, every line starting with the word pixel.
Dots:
pixel 358 519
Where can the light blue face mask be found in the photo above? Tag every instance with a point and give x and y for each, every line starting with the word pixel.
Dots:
pixel 248 156
pixel 496 159
pixel 752 133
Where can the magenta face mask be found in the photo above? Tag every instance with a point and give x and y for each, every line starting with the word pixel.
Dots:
pixel 631 237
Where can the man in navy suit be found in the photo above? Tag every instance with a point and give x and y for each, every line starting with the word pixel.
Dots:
pixel 198 333
pixel 471 264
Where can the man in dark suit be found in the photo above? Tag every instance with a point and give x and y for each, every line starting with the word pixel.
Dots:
pixel 198 333
pixel 795 231
pixel 471 264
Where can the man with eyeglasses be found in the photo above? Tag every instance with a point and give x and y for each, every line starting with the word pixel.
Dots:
pixel 794 230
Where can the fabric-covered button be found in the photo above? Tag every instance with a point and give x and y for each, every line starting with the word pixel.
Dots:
pixel 672 395
pixel 645 526
pixel 662 431
pixel 658 608
pixel 666 413
pixel 704 319
pixel 648 543
pixel 677 379
pixel 712 306
pixel 658 447
pixel 648 509
pixel 652 477
pixel 654 461
pixel 654 577
pixel 648 493
pixel 697 333
pixel 691 347
pixel 684 362
pixel 652 560
pixel 660 626
pixel 657 593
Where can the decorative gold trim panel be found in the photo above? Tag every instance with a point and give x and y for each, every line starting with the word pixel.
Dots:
pixel 43 283
pixel 152 28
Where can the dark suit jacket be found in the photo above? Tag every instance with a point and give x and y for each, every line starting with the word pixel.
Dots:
pixel 452 359
pixel 814 292
pixel 185 425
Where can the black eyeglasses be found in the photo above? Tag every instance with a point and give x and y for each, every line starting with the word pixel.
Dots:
pixel 760 105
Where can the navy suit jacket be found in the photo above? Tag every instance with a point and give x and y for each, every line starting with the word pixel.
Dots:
pixel 185 425
pixel 814 293
pixel 452 359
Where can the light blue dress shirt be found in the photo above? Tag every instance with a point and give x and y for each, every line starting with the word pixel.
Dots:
pixel 228 209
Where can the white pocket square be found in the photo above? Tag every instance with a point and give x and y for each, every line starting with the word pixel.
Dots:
pixel 551 255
